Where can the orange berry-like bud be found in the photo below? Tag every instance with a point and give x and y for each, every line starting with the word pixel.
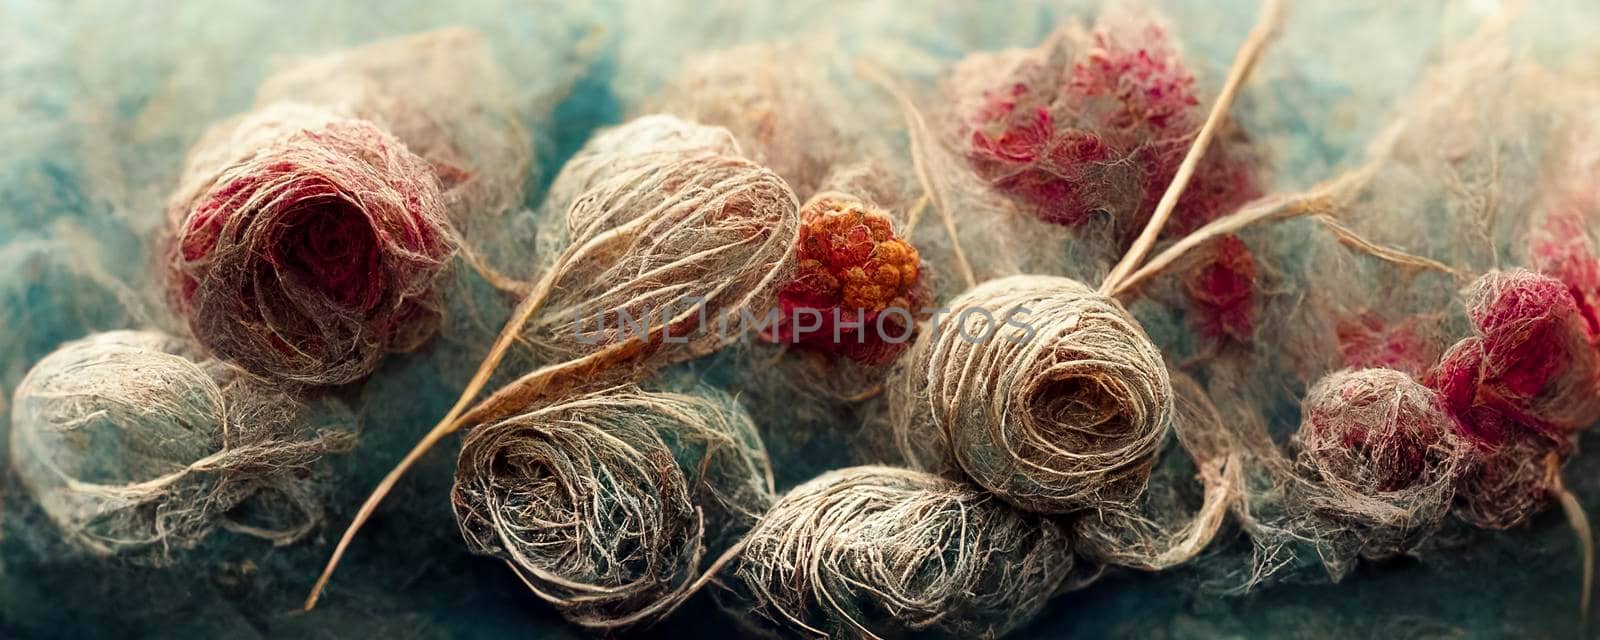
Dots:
pixel 852 267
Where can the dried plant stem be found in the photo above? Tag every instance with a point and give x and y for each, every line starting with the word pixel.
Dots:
pixel 1250 51
pixel 955 245
pixel 1222 488
pixel 708 575
pixel 1325 199
pixel 914 215
pixel 1579 521
pixel 1349 238
pixel 917 131
pixel 542 381
pixel 449 423
pixel 868 394
pixel 1318 201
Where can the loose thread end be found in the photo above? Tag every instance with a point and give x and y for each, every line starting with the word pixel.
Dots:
pixel 1579 521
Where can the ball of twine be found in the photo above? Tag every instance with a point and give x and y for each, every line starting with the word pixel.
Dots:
pixel 1168 526
pixel 670 223
pixel 132 448
pixel 312 250
pixel 886 552
pixel 664 255
pixel 1068 417
pixel 1380 459
pixel 605 505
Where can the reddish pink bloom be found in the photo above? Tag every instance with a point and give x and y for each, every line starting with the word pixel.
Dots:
pixel 1376 428
pixel 1529 368
pixel 1222 291
pixel 1479 417
pixel 1535 345
pixel 1104 136
pixel 1517 390
pixel 310 257
pixel 1561 249
pixel 1504 482
pixel 1147 82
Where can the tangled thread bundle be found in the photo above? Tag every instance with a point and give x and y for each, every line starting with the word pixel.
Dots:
pixel 1536 353
pixel 1168 525
pixel 1068 418
pixel 1381 458
pixel 858 277
pixel 668 251
pixel 1371 473
pixel 132 448
pixel 885 552
pixel 311 250
pixel 606 504
pixel 671 234
pixel 1517 390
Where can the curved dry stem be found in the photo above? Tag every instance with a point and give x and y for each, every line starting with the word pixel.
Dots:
pixel 1321 200
pixel 449 423
pixel 1222 487
pixel 917 130
pixel 1349 238
pixel 914 215
pixel 1579 521
pixel 1250 51
pixel 708 575
pixel 1327 198
pixel 545 380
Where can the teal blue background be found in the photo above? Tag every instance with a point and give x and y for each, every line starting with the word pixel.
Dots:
pixel 100 100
